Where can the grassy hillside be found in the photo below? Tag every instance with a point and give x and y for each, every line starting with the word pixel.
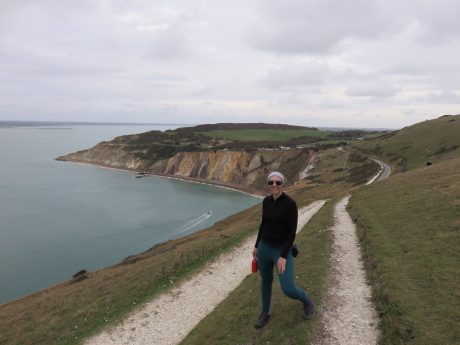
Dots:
pixel 411 147
pixel 409 228
pixel 265 134
pixel 288 136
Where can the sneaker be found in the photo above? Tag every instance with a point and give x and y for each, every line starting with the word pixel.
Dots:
pixel 308 311
pixel 261 320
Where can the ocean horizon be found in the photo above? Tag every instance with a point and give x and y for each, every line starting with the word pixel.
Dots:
pixel 165 125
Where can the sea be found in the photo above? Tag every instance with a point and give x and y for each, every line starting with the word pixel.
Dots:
pixel 57 218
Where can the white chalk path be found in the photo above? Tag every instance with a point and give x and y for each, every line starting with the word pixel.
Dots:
pixel 347 316
pixel 168 318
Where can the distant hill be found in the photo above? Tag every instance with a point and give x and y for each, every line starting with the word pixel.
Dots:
pixel 414 146
pixel 236 126
pixel 153 146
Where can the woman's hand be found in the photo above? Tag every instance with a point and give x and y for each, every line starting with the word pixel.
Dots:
pixel 281 265
pixel 254 253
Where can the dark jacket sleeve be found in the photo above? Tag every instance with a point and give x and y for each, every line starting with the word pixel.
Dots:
pixel 261 226
pixel 292 228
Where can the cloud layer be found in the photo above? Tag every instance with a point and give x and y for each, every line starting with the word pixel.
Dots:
pixel 318 63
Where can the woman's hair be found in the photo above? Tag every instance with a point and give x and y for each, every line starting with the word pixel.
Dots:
pixel 277 174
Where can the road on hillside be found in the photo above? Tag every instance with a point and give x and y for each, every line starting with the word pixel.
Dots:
pixel 382 174
pixel 385 172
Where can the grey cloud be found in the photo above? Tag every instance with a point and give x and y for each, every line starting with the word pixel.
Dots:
pixel 293 76
pixel 377 89
pixel 31 66
pixel 443 97
pixel 437 20
pixel 172 43
pixel 105 29
pixel 236 60
pixel 319 26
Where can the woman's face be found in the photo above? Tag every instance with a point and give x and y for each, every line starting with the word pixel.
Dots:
pixel 275 185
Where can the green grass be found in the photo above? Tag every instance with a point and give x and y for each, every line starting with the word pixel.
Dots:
pixel 409 228
pixel 232 321
pixel 264 134
pixel 326 142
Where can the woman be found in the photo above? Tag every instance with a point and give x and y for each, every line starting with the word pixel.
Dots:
pixel 273 247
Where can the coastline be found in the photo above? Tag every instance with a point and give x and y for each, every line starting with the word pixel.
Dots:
pixel 237 188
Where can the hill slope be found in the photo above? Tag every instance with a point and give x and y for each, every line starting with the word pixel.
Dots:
pixel 409 227
pixel 411 147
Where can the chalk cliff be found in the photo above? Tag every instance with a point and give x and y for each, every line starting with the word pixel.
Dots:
pixel 239 167
pixel 107 154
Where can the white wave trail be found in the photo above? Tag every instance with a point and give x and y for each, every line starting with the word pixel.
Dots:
pixel 191 224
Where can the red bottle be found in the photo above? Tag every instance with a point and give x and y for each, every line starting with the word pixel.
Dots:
pixel 254 265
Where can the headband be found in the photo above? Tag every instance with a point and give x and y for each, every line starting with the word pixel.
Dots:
pixel 277 174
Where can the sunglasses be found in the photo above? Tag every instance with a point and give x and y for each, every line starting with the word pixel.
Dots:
pixel 272 182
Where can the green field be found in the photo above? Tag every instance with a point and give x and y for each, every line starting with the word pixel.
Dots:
pixel 265 134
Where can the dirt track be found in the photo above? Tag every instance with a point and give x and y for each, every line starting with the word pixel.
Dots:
pixel 348 316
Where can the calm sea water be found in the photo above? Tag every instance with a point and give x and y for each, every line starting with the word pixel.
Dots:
pixel 57 218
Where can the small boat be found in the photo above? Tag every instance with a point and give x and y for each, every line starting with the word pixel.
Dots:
pixel 141 174
pixel 209 212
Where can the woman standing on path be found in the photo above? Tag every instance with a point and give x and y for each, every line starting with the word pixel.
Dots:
pixel 273 247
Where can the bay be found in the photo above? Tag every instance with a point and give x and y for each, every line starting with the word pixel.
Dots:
pixel 57 218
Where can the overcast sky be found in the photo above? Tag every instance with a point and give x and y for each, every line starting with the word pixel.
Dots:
pixel 355 63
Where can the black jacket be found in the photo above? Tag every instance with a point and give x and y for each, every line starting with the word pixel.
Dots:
pixel 279 223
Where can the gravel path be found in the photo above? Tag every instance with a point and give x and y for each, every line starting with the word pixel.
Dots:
pixel 168 318
pixel 348 316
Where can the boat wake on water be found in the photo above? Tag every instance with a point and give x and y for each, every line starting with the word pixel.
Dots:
pixel 191 224
pixel 174 232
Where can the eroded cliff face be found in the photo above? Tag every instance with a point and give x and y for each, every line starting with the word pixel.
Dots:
pixel 107 154
pixel 238 167
pixel 228 166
